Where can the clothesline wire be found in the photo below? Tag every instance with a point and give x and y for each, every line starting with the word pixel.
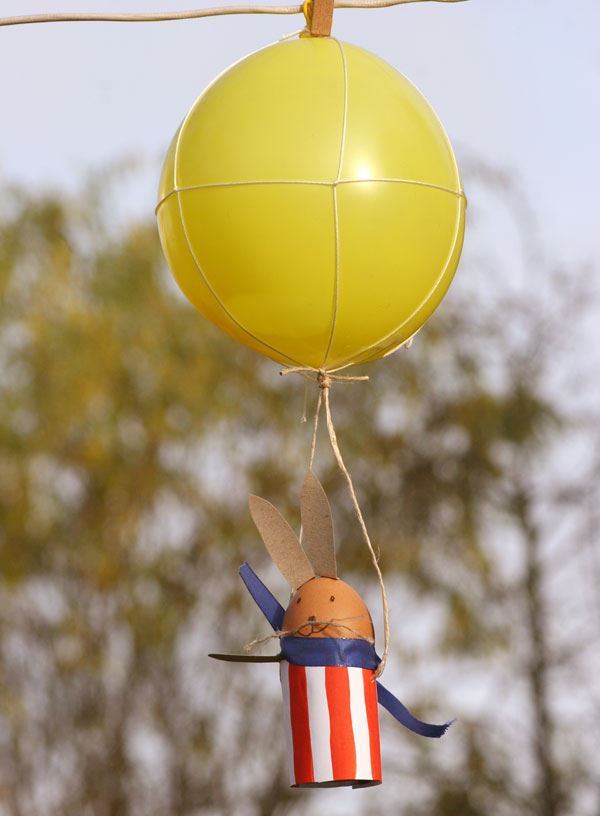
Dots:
pixel 192 14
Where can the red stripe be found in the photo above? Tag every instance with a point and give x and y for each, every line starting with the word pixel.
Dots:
pixel 373 721
pixel 303 764
pixel 343 752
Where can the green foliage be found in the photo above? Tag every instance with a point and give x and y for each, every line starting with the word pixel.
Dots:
pixel 130 433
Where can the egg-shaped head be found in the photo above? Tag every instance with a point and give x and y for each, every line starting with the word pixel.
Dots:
pixel 327 607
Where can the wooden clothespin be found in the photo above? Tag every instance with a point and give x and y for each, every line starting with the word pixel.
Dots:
pixel 319 17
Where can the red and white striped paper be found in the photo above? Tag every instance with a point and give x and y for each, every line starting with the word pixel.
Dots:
pixel 332 725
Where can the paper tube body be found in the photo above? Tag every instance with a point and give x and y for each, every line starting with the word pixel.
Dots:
pixel 332 725
pixel 330 697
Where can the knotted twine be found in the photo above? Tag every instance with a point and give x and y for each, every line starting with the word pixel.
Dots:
pixel 324 380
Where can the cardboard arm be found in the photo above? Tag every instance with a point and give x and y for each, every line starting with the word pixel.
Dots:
pixel 240 658
pixel 265 600
pixel 405 718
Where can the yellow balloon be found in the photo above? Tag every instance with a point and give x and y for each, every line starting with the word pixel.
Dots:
pixel 310 205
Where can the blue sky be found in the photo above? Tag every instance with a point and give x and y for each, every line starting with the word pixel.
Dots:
pixel 515 83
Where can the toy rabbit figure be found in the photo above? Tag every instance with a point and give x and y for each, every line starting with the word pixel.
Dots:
pixel 328 657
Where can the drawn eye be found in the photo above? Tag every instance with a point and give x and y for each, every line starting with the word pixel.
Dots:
pixel 332 598
pixel 298 601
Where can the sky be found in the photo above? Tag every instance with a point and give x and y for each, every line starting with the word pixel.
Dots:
pixel 515 83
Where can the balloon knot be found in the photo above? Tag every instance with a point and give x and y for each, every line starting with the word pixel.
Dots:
pixel 323 379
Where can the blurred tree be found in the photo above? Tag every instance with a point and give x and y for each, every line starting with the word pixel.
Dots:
pixel 130 433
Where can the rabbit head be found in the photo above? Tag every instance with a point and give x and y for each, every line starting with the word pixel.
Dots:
pixel 321 605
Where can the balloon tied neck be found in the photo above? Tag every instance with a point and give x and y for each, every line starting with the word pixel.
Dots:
pixel 307 10
pixel 323 378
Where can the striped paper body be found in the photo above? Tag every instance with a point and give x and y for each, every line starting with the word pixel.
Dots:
pixel 332 725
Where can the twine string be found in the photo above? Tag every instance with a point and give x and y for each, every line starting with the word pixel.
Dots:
pixel 313 444
pixel 308 182
pixel 303 418
pixel 324 380
pixel 363 527
pixel 281 633
pixel 192 14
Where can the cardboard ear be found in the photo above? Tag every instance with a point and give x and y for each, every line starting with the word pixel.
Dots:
pixel 317 527
pixel 281 542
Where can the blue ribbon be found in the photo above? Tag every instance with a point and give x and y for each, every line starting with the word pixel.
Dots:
pixel 333 652
pixel 402 714
pixel 265 600
pixel 326 651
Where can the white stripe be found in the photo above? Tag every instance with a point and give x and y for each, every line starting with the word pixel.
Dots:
pixel 360 724
pixel 318 719
pixel 285 688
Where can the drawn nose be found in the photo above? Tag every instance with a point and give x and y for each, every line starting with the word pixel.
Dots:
pixel 312 618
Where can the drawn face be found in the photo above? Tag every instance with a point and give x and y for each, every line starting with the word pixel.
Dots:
pixel 327 607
